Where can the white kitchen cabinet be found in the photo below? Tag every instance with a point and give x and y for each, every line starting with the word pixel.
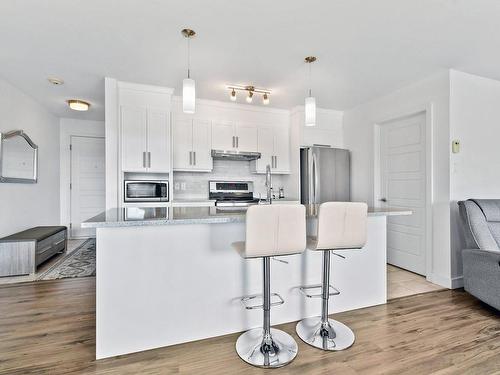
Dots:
pixel 223 136
pixel 145 139
pixel 192 145
pixel 245 137
pixel 158 141
pixel 227 136
pixel 281 150
pixel 202 145
pixel 133 138
pixel 274 145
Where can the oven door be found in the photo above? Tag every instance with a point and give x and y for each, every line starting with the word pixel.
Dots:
pixel 146 191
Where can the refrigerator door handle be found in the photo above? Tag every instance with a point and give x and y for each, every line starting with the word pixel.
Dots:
pixel 315 179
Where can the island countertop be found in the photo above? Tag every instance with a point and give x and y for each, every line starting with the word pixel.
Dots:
pixel 150 216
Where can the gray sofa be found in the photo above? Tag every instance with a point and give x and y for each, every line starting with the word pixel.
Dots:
pixel 481 256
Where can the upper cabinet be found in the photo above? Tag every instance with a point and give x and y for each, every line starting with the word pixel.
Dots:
pixel 192 145
pixel 144 123
pixel 235 137
pixel 273 142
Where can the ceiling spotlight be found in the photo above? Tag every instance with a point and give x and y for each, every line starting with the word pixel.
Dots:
pixel 55 81
pixel 249 97
pixel 233 96
pixel 78 105
pixel 265 99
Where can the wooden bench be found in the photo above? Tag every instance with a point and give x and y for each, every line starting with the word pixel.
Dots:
pixel 21 253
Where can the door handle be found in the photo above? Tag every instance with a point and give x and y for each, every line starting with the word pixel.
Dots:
pixel 315 178
pixel 237 142
pixel 275 161
pixel 194 157
pixel 190 157
pixel 383 199
pixel 234 142
pixel 144 159
pixel 149 159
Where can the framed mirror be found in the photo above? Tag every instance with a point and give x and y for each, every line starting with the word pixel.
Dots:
pixel 18 158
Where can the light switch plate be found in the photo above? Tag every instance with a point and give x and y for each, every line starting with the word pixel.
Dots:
pixel 455 146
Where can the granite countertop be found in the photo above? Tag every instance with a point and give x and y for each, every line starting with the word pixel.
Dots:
pixel 148 216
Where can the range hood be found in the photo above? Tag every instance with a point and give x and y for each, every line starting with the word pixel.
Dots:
pixel 235 155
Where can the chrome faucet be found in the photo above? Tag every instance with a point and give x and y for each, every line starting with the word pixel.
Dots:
pixel 269 186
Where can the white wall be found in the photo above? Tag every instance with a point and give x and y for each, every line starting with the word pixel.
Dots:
pixel 475 170
pixel 67 129
pixel 328 131
pixel 27 205
pixel 359 124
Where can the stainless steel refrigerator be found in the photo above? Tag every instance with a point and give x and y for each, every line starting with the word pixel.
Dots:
pixel 325 175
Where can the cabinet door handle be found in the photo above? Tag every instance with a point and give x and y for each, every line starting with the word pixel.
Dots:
pixel 194 157
pixel 275 161
pixel 234 142
pixel 237 142
pixel 144 159
pixel 149 159
pixel 190 157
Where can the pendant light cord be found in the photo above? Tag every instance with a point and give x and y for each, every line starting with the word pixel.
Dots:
pixel 310 80
pixel 189 56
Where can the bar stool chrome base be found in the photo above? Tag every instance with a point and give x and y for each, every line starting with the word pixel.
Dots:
pixel 333 336
pixel 279 350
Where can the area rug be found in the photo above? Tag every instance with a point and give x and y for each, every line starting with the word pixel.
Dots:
pixel 79 263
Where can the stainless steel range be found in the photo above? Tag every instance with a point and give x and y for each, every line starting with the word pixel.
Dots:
pixel 232 193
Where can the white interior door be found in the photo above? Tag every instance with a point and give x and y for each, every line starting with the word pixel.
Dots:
pixel 87 183
pixel 403 185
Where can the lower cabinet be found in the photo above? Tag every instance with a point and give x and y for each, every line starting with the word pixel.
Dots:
pixel 192 145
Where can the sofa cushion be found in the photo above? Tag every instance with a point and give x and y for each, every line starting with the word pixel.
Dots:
pixel 490 208
pixel 479 233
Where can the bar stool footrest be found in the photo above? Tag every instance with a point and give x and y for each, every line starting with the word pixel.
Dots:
pixel 305 290
pixel 248 300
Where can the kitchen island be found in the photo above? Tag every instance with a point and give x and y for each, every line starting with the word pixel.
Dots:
pixel 169 275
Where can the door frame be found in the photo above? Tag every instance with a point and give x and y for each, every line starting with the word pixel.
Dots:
pixel 427 109
pixel 69 190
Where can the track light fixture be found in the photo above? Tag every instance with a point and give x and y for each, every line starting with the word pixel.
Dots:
pixel 251 90
pixel 249 97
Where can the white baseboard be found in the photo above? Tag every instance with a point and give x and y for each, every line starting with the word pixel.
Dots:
pixel 447 282
pixel 439 280
pixel 457 282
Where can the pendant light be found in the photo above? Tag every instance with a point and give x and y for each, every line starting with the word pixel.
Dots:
pixel 310 102
pixel 188 84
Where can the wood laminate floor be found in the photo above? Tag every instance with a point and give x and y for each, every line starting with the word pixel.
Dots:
pixel 48 327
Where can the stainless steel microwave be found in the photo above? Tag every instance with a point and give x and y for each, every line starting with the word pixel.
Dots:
pixel 146 191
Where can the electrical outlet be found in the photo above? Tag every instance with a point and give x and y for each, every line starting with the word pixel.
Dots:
pixel 183 186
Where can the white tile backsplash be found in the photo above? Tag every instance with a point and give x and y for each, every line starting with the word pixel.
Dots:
pixel 196 183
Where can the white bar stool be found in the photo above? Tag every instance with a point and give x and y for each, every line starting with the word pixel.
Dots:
pixel 341 226
pixel 271 230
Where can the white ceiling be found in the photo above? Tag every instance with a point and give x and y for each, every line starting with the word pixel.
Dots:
pixel 365 48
